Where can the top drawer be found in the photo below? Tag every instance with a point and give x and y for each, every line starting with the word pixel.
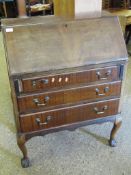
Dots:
pixel 72 78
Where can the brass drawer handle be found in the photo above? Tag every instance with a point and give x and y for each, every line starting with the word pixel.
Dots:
pixel 106 89
pixel 38 121
pixel 37 102
pixel 45 81
pixel 100 112
pixel 107 74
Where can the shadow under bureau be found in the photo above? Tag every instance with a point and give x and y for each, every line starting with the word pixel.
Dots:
pixel 64 74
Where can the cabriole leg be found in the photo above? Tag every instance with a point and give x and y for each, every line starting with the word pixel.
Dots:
pixel 21 143
pixel 117 125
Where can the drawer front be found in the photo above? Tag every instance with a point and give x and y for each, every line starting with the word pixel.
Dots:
pixel 74 95
pixel 65 116
pixel 61 80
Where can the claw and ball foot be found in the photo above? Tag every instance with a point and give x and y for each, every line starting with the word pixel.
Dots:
pixel 25 162
pixel 21 143
pixel 112 141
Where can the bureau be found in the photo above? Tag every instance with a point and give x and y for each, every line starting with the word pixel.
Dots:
pixel 64 74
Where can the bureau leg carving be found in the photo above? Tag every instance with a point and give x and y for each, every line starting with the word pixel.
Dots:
pixel 21 143
pixel 112 141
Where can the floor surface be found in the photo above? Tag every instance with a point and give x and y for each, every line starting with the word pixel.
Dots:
pixel 82 152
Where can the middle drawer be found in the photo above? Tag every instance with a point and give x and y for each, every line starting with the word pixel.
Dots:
pixel 27 103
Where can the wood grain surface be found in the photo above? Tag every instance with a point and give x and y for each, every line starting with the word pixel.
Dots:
pixel 33 84
pixel 65 116
pixel 28 103
pixel 62 44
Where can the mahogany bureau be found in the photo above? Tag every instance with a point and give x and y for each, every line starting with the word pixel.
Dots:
pixel 64 74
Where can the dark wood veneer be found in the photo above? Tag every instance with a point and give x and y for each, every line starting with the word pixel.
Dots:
pixel 43 83
pixel 72 95
pixel 68 115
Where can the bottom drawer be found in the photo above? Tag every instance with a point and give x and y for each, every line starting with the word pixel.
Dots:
pixel 68 115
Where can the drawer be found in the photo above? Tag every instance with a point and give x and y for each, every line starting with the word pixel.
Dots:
pixel 68 115
pixel 73 95
pixel 61 80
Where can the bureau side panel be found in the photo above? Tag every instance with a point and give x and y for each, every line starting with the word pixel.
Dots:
pixel 15 106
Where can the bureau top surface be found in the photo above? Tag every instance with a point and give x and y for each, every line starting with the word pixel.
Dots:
pixel 50 43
